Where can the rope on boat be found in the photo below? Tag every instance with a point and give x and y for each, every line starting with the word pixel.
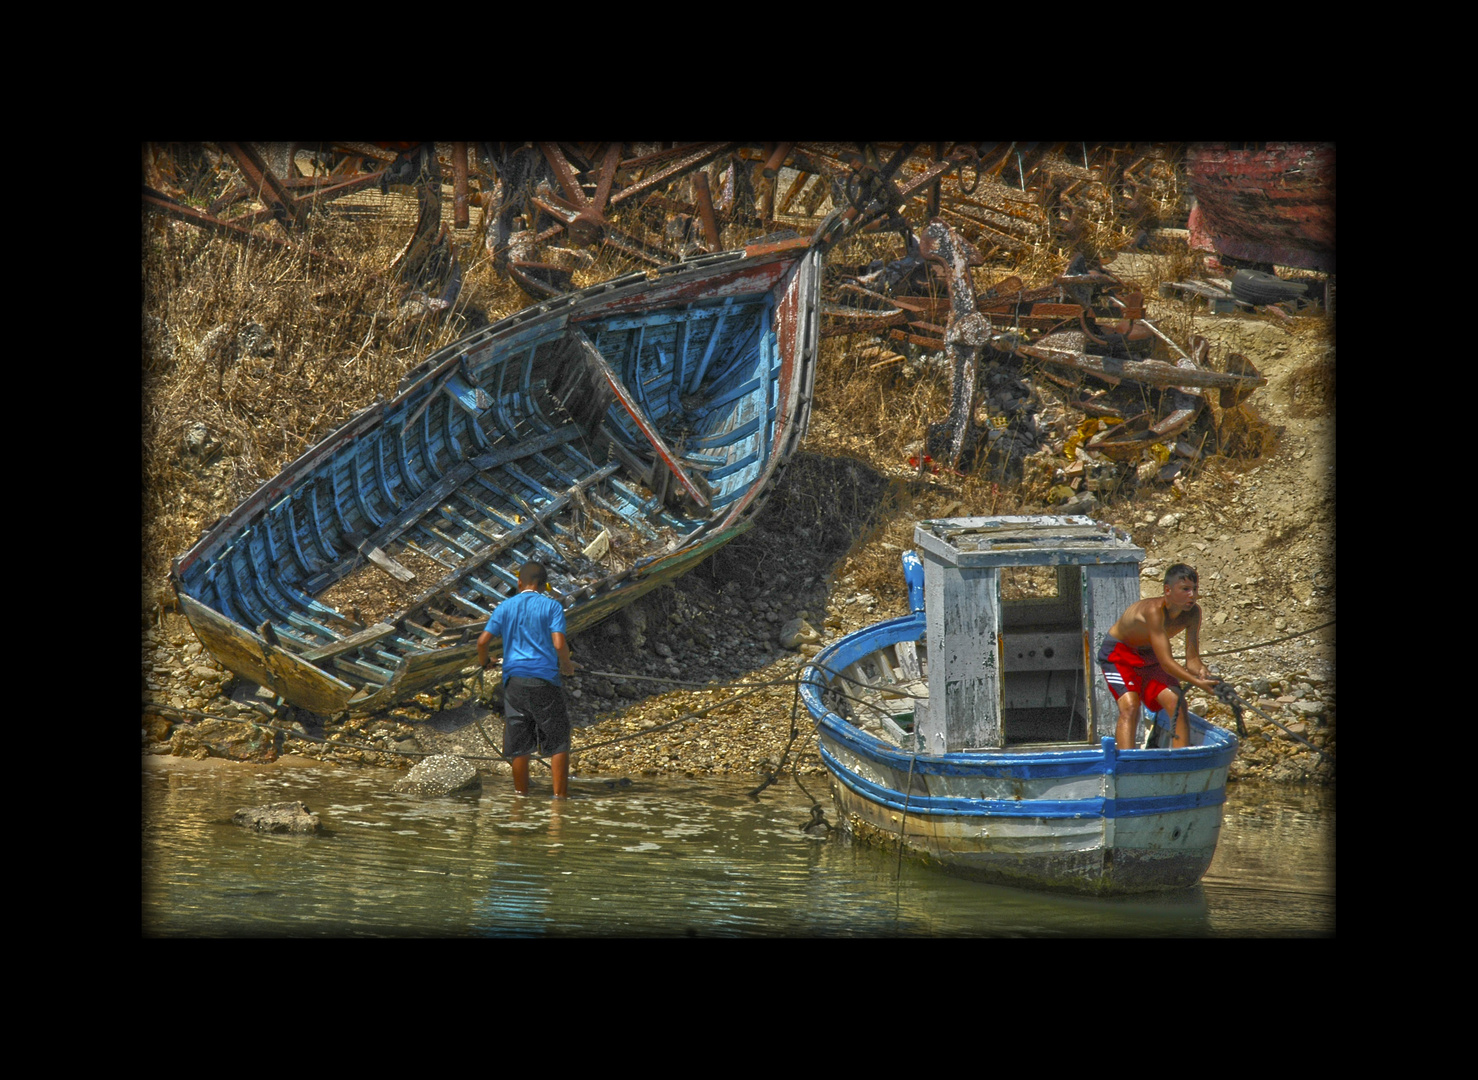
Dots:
pixel 751 688
pixel 902 823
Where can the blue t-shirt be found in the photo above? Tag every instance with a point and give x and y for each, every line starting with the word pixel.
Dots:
pixel 525 622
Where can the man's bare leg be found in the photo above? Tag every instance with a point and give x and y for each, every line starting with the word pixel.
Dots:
pixel 521 775
pixel 1182 736
pixel 559 764
pixel 1128 720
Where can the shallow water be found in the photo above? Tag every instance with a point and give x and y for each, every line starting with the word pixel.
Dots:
pixel 669 858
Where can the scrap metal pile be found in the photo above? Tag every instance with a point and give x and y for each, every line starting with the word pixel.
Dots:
pixel 664 203
pixel 938 209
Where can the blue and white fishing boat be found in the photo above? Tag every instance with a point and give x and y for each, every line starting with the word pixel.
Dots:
pixel 620 434
pixel 977 732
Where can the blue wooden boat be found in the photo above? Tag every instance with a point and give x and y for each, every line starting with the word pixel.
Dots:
pixel 997 760
pixel 620 434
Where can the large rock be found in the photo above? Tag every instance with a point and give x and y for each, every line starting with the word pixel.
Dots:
pixel 230 739
pixel 283 817
pixel 439 775
pixel 796 633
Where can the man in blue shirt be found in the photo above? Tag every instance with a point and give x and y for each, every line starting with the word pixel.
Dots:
pixel 535 655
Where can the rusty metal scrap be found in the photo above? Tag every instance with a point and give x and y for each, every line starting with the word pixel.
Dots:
pixel 428 262
pixel 664 203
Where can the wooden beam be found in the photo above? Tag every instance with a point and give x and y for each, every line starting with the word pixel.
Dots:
pixel 602 370
pixel 349 644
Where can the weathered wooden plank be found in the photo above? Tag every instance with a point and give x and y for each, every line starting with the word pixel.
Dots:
pixel 1108 591
pixel 389 565
pixel 349 644
pixel 368 672
pixel 1149 372
pixel 908 660
pixel 291 677
pixel 378 557
pixel 963 619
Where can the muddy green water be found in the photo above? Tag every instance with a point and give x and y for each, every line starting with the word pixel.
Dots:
pixel 651 858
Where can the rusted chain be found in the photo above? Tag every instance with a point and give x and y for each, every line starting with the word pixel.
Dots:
pixel 1228 696
pixel 784 754
pixel 974 158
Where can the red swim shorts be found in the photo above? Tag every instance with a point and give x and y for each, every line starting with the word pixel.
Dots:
pixel 1127 670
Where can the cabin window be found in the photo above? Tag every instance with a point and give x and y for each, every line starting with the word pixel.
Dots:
pixel 1044 684
pixel 1028 583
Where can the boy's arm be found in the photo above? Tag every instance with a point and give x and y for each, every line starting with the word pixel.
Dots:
pixel 1193 647
pixel 562 649
pixel 1160 642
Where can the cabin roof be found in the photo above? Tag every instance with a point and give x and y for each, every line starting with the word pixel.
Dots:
pixel 1038 540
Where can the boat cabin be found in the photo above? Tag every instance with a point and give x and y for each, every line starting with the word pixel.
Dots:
pixel 1016 609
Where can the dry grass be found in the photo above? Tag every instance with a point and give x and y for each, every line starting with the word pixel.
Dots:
pixel 1311 387
pixel 253 353
pixel 1246 435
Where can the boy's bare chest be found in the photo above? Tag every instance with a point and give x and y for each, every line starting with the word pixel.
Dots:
pixel 1144 618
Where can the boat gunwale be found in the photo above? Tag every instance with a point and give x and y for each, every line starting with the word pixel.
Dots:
pixel 1098 806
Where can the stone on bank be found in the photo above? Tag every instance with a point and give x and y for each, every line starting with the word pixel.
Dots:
pixel 441 774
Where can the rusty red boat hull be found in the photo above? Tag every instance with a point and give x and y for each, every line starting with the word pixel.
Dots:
pixel 1264 202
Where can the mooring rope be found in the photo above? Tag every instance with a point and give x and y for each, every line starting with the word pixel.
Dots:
pixel 747 689
pixel 1274 641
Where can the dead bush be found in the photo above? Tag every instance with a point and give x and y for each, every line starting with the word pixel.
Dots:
pixel 1245 434
pixel 1311 388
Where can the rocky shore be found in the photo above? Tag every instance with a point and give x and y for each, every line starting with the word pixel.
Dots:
pixel 699 679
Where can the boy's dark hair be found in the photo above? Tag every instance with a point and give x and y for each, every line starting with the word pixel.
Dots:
pixel 532 573
pixel 1181 570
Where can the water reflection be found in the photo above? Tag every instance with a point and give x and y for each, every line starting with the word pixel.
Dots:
pixel 676 858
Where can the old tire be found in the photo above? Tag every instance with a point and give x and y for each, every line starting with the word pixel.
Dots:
pixel 1256 287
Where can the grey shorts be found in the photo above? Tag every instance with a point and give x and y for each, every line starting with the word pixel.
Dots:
pixel 535 719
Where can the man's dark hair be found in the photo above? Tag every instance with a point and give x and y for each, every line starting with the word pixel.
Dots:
pixel 532 573
pixel 1181 570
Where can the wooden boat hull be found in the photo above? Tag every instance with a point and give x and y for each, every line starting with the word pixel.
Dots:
pixel 1091 820
pixel 1270 204
pixel 620 434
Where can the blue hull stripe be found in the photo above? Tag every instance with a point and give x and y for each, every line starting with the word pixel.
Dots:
pixel 936 806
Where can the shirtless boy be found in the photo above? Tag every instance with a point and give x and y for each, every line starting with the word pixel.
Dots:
pixel 1136 659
